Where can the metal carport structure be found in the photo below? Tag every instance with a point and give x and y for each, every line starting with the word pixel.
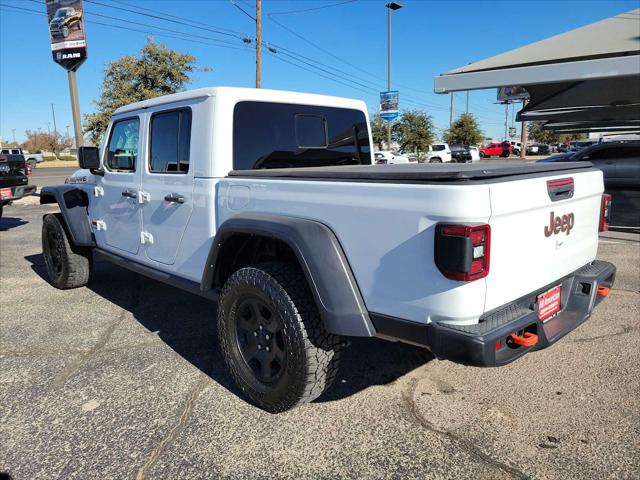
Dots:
pixel 587 79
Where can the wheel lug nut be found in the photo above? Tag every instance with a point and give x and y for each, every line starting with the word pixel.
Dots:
pixel 260 327
pixel 267 349
pixel 267 337
pixel 259 347
pixel 255 334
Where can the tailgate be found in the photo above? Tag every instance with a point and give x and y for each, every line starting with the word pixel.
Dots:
pixel 526 254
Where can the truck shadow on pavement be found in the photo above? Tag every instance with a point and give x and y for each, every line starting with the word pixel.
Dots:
pixel 7 223
pixel 187 324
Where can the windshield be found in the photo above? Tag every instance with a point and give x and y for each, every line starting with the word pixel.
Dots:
pixel 62 12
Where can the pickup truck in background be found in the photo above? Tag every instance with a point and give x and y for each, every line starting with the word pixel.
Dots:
pixel 268 203
pixel 31 158
pixel 13 179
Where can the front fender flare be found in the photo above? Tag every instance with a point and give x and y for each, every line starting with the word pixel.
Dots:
pixel 321 258
pixel 73 203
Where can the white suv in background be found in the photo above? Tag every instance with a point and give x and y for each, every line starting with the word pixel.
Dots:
pixel 386 157
pixel 439 152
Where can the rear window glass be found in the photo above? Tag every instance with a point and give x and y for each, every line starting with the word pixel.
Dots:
pixel 280 135
pixel 437 148
pixel 170 141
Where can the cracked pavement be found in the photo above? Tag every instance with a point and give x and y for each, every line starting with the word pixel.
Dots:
pixel 123 379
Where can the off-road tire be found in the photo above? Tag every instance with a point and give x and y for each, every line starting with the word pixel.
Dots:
pixel 312 355
pixel 67 266
pixel 435 160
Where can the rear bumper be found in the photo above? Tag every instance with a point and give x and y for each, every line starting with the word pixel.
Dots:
pixel 9 194
pixel 485 344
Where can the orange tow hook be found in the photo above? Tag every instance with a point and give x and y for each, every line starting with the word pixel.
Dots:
pixel 527 340
pixel 603 291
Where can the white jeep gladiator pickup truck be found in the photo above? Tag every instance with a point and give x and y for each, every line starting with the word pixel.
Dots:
pixel 268 203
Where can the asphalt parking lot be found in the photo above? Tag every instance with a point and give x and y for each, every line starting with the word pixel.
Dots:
pixel 123 379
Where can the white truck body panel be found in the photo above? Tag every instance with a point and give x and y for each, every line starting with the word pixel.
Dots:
pixel 387 233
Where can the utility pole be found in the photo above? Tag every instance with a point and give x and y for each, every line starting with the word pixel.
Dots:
pixel 390 7
pixel 55 128
pixel 67 127
pixel 258 43
pixel 49 128
pixel 75 108
pixel 467 109
pixel 524 134
pixel 13 131
pixel 451 112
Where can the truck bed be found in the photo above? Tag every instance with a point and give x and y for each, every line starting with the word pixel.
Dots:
pixel 416 172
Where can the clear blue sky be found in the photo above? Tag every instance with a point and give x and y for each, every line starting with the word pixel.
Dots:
pixel 429 37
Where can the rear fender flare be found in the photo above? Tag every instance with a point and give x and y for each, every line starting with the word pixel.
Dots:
pixel 321 258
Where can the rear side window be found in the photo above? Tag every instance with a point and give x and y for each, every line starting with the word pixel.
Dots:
pixel 122 151
pixel 279 135
pixel 170 141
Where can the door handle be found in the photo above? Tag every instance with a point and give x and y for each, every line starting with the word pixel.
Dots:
pixel 174 198
pixel 130 194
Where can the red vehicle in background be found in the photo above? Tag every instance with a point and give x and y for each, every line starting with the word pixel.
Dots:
pixel 502 149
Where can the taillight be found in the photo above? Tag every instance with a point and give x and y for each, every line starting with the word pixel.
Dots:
pixel 462 251
pixel 605 211
pixel 27 168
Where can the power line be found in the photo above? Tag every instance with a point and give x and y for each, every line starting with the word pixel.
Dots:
pixel 341 60
pixel 287 12
pixel 189 23
pixel 240 34
pixel 120 27
pixel 343 78
pixel 242 10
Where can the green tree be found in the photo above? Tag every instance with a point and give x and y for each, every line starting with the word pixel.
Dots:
pixel 157 71
pixel 379 131
pixel 465 130
pixel 537 133
pixel 414 131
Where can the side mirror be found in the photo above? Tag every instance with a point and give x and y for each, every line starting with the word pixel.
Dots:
pixel 89 158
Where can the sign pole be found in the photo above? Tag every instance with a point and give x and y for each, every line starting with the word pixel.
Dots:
pixel 75 107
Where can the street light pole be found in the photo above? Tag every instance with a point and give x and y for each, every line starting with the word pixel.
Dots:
pixel 390 6
pixel 13 130
pixel 258 44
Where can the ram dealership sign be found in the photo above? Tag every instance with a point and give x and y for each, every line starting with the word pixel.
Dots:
pixel 66 28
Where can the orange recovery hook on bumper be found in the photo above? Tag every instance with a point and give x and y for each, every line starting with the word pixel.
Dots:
pixel 528 339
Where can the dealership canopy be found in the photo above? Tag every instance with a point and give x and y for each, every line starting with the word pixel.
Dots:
pixel 587 79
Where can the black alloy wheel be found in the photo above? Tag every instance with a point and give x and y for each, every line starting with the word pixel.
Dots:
pixel 259 333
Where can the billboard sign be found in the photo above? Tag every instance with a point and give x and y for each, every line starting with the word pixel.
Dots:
pixel 509 94
pixel 389 103
pixel 66 30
